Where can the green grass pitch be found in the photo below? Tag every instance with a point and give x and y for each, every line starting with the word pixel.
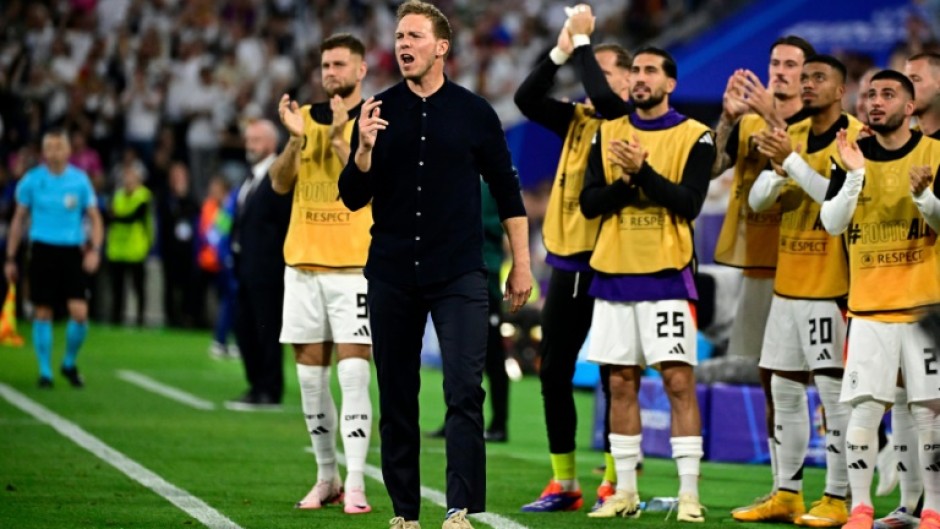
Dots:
pixel 252 467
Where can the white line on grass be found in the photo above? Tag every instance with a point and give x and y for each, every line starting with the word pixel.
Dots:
pixel 188 503
pixel 437 497
pixel 162 389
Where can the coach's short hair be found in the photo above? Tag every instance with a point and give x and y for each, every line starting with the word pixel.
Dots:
pixel 624 59
pixel 894 75
pixel 439 22
pixel 836 64
pixel 344 40
pixel 669 64
pixel 796 42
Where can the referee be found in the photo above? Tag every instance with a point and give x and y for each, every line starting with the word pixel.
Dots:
pixel 54 198
pixel 420 149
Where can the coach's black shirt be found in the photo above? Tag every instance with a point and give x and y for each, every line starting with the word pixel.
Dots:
pixel 424 184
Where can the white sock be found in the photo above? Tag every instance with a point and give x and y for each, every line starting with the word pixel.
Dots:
pixel 688 452
pixel 774 464
pixel 356 423
pixel 320 416
pixel 861 448
pixel 625 449
pixel 927 418
pixel 791 420
pixel 904 441
pixel 837 420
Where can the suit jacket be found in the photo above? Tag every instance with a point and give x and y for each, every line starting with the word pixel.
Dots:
pixel 260 229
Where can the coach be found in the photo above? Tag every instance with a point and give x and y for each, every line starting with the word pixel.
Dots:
pixel 420 149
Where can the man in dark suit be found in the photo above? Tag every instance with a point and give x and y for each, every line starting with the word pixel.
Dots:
pixel 258 234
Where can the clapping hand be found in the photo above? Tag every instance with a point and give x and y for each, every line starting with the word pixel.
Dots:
pixel 289 113
pixel 340 116
pixel 370 123
pixel 921 178
pixel 580 20
pixel 628 155
pixel 849 152
pixel 732 101
pixel 774 144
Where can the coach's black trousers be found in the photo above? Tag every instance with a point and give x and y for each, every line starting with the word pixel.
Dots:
pixel 257 332
pixel 566 320
pixel 458 308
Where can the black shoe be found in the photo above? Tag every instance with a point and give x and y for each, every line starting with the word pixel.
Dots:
pixel 436 434
pixel 71 373
pixel 45 383
pixel 253 402
pixel 495 436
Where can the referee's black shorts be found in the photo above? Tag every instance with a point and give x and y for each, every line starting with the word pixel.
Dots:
pixel 55 274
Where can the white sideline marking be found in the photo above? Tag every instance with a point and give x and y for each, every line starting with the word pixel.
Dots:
pixel 162 389
pixel 437 497
pixel 186 502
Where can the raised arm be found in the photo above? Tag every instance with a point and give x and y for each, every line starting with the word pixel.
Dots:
pixel 532 95
pixel 726 134
pixel 284 169
pixel 608 103
pixel 842 195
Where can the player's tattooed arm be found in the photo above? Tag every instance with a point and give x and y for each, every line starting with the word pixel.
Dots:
pixel 733 107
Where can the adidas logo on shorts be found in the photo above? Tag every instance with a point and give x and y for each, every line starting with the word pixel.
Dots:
pixel 677 350
pixel 363 331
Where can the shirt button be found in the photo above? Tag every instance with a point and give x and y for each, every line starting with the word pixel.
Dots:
pixel 417 263
pixel 419 188
pixel 422 138
pixel 418 213
pixel 417 237
pixel 424 113
pixel 424 99
pixel 420 163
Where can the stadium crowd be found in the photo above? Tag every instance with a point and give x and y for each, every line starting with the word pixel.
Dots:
pixel 163 89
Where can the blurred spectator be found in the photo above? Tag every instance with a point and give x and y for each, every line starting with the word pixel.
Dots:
pixel 141 103
pixel 215 264
pixel 204 106
pixel 176 213
pixel 129 239
pixel 86 158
